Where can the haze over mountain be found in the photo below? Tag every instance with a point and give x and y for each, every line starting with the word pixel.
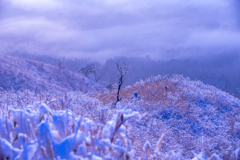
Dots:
pixel 222 71
pixel 103 29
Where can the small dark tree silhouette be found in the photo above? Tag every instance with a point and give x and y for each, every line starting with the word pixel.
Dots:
pixel 89 68
pixel 122 71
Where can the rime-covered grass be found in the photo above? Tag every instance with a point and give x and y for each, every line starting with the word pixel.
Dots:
pixel 37 132
pixel 195 117
pixel 175 118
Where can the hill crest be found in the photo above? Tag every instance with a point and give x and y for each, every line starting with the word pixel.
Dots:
pixel 19 74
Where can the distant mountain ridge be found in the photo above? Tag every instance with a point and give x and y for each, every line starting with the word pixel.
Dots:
pixel 221 71
pixel 19 74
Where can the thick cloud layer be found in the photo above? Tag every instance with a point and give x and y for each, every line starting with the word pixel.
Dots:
pixel 106 28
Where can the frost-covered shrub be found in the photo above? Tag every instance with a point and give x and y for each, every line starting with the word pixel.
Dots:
pixel 44 134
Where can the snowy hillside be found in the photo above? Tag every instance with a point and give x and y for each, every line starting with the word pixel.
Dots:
pixel 195 117
pixel 167 118
pixel 20 74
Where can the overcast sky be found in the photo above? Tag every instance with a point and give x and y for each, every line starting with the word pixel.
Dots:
pixel 101 29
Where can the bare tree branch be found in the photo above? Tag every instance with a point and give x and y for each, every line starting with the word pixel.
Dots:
pixel 122 71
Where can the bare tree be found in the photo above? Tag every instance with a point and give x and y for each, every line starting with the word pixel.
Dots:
pixel 122 71
pixel 98 71
pixel 93 68
pixel 59 64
